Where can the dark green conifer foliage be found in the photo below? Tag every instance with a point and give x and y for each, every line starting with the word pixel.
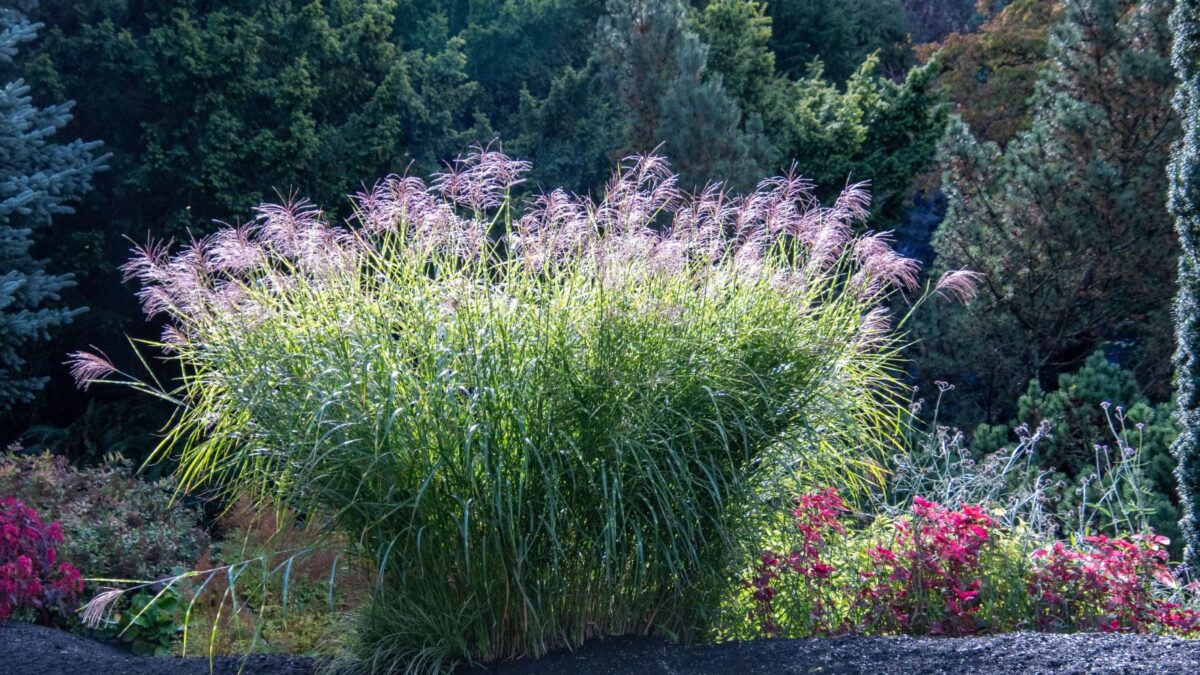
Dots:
pixel 571 132
pixel 38 177
pixel 1185 204
pixel 738 34
pixel 1068 222
pixel 658 69
pixel 932 20
pixel 211 108
pixel 840 34
pixel 705 86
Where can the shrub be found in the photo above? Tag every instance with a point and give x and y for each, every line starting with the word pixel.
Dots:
pixel 538 429
pixel 1119 483
pixel 1106 586
pixel 32 578
pixel 815 518
pixel 929 580
pixel 942 571
pixel 116 525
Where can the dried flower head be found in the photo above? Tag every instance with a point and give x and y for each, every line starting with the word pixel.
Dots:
pixel 480 180
pixel 643 225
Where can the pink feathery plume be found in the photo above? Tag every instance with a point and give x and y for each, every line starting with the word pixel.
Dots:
pixel 147 262
pixel 481 180
pixel 172 338
pixel 89 367
pixel 960 285
pixel 642 186
pixel 281 225
pixel 879 261
pixel 235 250
pixel 875 325
pixel 854 202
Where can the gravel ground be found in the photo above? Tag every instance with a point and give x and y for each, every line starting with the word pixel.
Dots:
pixel 32 650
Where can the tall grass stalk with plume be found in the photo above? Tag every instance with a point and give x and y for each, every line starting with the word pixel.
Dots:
pixel 537 428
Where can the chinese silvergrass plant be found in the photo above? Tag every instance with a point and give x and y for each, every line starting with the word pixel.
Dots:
pixel 536 427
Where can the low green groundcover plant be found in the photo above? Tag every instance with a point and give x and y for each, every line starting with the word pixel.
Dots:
pixel 538 422
pixel 150 622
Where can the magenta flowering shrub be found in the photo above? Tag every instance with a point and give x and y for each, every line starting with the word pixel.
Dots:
pixel 1106 585
pixel 31 576
pixel 816 516
pixel 929 581
pixel 942 574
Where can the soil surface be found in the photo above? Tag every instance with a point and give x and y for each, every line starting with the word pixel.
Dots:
pixel 1020 653
pixel 33 650
pixel 26 649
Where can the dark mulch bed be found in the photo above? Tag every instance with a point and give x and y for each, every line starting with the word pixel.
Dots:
pixel 26 649
pixel 32 650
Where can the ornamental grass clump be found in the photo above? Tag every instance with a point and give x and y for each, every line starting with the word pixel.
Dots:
pixel 538 422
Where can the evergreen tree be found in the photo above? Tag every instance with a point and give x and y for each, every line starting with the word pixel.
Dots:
pixel 211 108
pixel 573 133
pixel 1185 203
pixel 933 20
pixel 38 177
pixel 738 34
pixel 1068 223
pixel 519 47
pixel 720 110
pixel 657 67
pixel 638 40
pixel 873 129
pixel 840 34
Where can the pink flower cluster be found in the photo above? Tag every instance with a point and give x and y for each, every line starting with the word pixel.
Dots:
pixel 934 578
pixel 31 577
pixel 1106 585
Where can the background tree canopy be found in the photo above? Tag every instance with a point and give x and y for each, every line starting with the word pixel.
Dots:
pixel 1069 221
pixel 1027 140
